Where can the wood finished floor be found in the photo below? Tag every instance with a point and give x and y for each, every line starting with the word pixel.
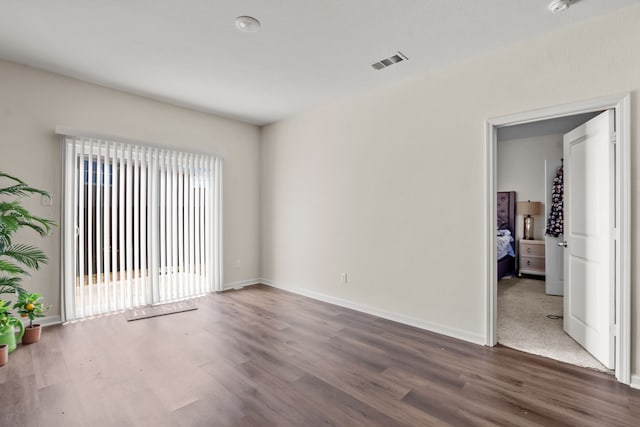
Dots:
pixel 263 357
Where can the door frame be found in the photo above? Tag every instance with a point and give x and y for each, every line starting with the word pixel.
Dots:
pixel 621 103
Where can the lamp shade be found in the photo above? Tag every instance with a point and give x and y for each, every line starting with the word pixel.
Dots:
pixel 529 208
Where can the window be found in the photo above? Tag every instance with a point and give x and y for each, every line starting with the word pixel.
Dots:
pixel 142 225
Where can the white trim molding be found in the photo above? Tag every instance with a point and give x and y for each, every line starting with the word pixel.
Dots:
pixel 622 105
pixel 240 284
pixel 635 381
pixel 45 321
pixel 396 317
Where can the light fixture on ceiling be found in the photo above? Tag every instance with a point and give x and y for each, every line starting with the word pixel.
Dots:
pixel 557 6
pixel 247 24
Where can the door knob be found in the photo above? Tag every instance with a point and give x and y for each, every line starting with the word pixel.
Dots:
pixel 563 244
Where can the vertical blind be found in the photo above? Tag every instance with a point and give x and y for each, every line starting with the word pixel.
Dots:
pixel 142 225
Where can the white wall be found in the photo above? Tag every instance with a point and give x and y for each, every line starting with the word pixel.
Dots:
pixel 521 169
pixel 33 102
pixel 389 186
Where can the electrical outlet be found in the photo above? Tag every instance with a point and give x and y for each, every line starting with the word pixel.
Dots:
pixel 344 278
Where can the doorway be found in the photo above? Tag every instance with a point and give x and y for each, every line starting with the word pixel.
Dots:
pixel 620 244
pixel 530 299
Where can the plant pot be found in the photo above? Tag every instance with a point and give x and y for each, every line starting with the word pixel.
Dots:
pixel 4 354
pixel 10 337
pixel 31 334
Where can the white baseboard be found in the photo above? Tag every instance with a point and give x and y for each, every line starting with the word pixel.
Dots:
pixel 635 381
pixel 45 321
pixel 240 284
pixel 396 317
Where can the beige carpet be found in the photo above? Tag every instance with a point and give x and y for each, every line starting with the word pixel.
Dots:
pixel 523 325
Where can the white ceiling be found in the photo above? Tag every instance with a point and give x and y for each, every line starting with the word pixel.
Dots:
pixel 308 52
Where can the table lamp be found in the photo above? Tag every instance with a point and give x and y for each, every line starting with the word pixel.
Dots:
pixel 527 209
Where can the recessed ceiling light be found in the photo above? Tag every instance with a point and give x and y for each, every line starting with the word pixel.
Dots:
pixel 247 24
pixel 557 6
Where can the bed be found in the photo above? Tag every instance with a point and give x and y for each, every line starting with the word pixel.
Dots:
pixel 506 225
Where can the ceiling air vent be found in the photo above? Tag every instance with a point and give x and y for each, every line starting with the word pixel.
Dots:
pixel 387 62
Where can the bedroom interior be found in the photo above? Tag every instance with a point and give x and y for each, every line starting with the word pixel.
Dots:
pixel 283 213
pixel 530 310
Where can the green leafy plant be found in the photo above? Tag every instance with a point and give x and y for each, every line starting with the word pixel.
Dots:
pixel 16 257
pixel 7 321
pixel 29 305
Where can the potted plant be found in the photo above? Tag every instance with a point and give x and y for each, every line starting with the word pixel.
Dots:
pixel 8 325
pixel 4 354
pixel 29 305
pixel 13 217
pixel 15 258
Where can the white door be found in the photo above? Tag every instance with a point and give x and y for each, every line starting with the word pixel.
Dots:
pixel 589 221
pixel 554 255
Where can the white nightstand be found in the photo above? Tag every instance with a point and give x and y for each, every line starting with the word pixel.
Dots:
pixel 532 257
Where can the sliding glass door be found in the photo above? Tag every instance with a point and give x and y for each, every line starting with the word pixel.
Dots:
pixel 141 226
